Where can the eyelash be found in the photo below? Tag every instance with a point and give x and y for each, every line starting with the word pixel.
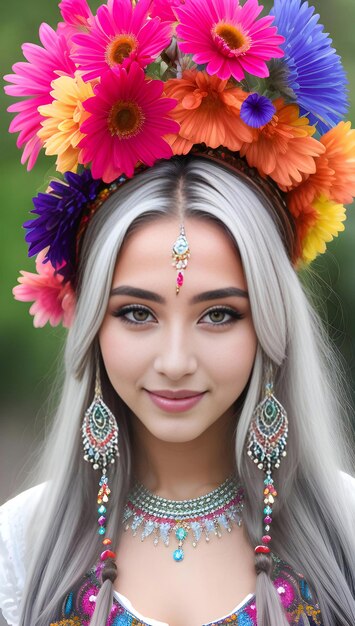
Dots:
pixel 121 313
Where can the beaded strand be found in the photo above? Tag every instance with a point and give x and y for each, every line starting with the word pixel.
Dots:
pixel 103 497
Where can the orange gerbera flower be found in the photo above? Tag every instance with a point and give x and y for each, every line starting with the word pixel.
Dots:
pixel 207 111
pixel 339 143
pixel 300 198
pixel 305 221
pixel 284 149
pixel 335 172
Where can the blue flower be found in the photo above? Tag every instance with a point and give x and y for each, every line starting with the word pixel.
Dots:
pixel 59 215
pixel 314 69
pixel 256 110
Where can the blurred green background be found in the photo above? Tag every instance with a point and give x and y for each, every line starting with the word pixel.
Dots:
pixel 29 356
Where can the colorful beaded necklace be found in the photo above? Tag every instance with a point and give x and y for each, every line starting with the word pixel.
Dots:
pixel 158 517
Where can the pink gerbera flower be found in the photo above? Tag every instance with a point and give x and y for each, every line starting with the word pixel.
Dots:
pixel 32 81
pixel 120 33
pixel 76 12
pixel 165 9
pixel 53 300
pixel 127 123
pixel 228 37
pixel 77 17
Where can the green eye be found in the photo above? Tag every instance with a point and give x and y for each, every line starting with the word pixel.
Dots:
pixel 134 314
pixel 217 316
pixel 140 315
pixel 221 316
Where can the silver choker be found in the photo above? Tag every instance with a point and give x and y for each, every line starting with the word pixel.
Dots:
pixel 152 515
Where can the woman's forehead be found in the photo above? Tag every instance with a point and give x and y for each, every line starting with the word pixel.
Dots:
pixel 146 256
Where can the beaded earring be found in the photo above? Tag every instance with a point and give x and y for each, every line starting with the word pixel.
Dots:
pixel 266 445
pixel 100 443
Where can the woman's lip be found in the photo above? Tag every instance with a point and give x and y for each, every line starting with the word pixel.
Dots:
pixel 175 405
pixel 175 395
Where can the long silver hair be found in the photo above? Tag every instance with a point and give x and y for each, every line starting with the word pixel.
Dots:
pixel 313 523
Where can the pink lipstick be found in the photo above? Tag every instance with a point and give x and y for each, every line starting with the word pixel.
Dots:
pixel 175 401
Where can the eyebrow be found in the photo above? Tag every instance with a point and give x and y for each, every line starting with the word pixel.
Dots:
pixel 215 294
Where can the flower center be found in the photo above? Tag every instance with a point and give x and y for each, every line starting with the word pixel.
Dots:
pixel 230 39
pixel 125 119
pixel 120 48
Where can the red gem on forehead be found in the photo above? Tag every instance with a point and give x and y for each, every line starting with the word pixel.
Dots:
pixel 180 279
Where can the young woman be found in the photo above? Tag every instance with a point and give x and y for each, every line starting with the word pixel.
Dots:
pixel 200 444
pixel 241 308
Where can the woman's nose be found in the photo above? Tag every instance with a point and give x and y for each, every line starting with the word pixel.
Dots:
pixel 175 355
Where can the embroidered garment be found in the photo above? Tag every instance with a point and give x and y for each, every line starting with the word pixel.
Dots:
pixel 79 605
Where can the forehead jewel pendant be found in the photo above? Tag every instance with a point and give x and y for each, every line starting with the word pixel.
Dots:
pixel 181 254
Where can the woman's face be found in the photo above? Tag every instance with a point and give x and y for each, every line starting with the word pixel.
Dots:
pixel 159 348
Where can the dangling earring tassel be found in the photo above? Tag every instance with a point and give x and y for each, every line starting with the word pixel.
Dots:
pixel 100 442
pixel 266 446
pixel 102 500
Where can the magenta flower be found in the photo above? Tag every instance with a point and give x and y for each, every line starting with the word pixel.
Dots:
pixel 86 595
pixel 285 590
pixel 120 34
pixel 32 81
pixel 165 9
pixel 77 17
pixel 228 37
pixel 53 300
pixel 127 123
pixel 75 12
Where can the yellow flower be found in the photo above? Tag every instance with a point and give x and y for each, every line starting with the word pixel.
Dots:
pixel 61 131
pixel 329 222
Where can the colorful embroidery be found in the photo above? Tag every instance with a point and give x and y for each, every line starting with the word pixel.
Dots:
pixel 69 603
pixel 75 621
pixel 295 595
pixel 126 620
pixel 237 619
pixel 310 611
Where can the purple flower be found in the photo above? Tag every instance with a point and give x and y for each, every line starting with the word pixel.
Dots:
pixel 59 215
pixel 256 110
pixel 314 70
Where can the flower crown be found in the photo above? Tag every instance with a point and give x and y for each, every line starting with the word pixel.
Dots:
pixel 110 94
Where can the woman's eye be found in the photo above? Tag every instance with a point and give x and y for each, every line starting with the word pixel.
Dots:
pixel 221 316
pixel 134 315
pixel 217 316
